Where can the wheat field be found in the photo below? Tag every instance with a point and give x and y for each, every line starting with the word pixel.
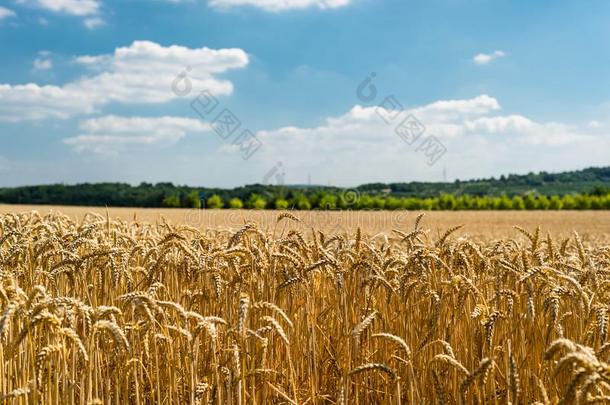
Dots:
pixel 123 311
pixel 479 225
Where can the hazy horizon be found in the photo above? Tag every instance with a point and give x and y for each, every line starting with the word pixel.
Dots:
pixel 272 181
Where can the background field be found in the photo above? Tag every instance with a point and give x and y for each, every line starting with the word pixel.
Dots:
pixel 479 224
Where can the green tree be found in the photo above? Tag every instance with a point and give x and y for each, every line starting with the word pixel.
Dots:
pixel 215 202
pixel 365 202
pixel 256 202
pixel 281 204
pixel 472 202
pixel 480 203
pixel 392 203
pixel 427 204
pixel 555 203
pixel 379 203
pixel 171 201
pixel 328 202
pixel 192 200
pixel 596 202
pixel 583 202
pixel 530 202
pixel 599 191
pixel 462 202
pixel 412 204
pixel 503 203
pixel 259 204
pixel 447 202
pixel 301 202
pixel 543 203
pixel 517 203
pixel 569 203
pixel 235 203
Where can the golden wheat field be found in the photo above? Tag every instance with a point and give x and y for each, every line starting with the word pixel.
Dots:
pixel 100 309
pixel 479 225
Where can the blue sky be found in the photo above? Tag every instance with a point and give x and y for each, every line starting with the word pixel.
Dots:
pixel 492 86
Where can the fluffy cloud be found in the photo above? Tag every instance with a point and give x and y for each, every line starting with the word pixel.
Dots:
pixel 279 5
pixel 375 125
pixel 72 7
pixel 485 58
pixel 110 134
pixel 5 13
pixel 352 148
pixel 141 73
pixel 42 64
pixel 451 110
pixel 32 102
pixel 360 146
pixel 93 22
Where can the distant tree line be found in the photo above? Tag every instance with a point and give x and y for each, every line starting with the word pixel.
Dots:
pixel 585 189
pixel 326 201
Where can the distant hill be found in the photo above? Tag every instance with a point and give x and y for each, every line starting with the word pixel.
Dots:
pixel 591 181
pixel 579 181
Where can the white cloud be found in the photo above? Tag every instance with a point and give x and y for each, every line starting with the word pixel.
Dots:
pixel 33 102
pixel 520 129
pixel 497 124
pixel 447 110
pixel 110 134
pixel 42 64
pixel 72 7
pixel 141 73
pixel 279 5
pixel 359 146
pixel 485 58
pixel 345 150
pixel 94 22
pixel 5 13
